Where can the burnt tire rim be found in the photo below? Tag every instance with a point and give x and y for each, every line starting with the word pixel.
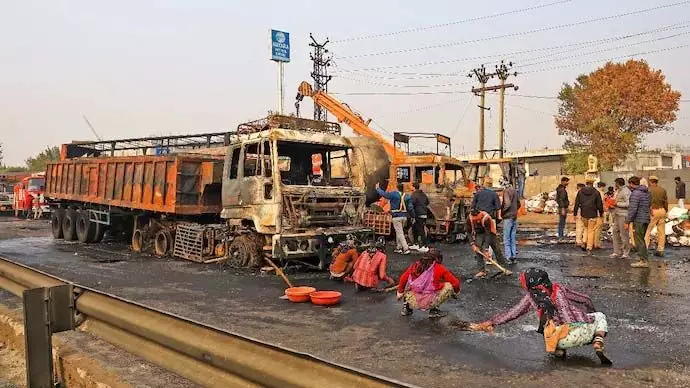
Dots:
pixel 137 240
pixel 162 243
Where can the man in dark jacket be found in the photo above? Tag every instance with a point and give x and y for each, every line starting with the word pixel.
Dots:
pixel 420 203
pixel 590 206
pixel 639 216
pixel 563 205
pixel 486 200
pixel 680 192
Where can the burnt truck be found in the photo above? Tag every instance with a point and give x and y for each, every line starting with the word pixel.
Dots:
pixel 278 188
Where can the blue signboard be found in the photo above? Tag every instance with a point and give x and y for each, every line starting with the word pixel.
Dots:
pixel 280 46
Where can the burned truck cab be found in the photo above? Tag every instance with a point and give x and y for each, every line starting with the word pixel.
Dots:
pixel 287 182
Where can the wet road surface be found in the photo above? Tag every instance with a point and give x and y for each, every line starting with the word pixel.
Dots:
pixel 647 309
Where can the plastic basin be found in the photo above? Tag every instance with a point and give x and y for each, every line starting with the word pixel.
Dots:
pixel 299 294
pixel 325 298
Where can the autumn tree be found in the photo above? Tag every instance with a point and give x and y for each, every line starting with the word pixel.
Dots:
pixel 608 112
pixel 39 162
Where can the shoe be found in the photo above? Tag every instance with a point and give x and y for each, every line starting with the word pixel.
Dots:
pixel 589 252
pixel 436 313
pixel 422 249
pixel 398 251
pixel 614 255
pixel 584 249
pixel 640 264
pixel 659 254
pixel 406 310
pixel 414 247
pixel 407 252
pixel 559 353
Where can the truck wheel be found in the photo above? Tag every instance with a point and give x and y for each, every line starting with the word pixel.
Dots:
pixel 56 217
pixel 69 225
pixel 100 231
pixel 86 230
pixel 137 240
pixel 162 243
pixel 244 251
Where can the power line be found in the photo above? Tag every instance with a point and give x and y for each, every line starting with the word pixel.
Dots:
pixel 521 33
pixel 610 59
pixel 601 50
pixel 680 25
pixel 403 86
pixel 448 24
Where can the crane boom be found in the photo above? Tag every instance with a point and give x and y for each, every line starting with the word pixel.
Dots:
pixel 344 114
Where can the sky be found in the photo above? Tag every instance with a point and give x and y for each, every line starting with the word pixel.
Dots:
pixel 141 68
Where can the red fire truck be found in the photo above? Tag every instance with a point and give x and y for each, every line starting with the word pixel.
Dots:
pixel 28 191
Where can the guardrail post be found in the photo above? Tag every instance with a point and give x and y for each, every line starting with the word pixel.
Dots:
pixel 47 310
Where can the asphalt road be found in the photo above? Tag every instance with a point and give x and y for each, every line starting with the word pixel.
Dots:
pixel 648 312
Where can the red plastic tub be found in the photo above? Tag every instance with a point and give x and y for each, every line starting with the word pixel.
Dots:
pixel 325 298
pixel 299 294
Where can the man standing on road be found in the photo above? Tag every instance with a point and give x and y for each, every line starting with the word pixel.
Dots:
pixel 401 204
pixel 521 174
pixel 590 206
pixel 580 233
pixel 511 204
pixel 599 226
pixel 658 216
pixel 420 202
pixel 621 234
pixel 563 205
pixel 638 215
pixel 486 200
pixel 680 192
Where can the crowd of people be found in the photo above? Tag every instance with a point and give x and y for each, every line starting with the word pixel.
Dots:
pixel 631 210
pixel 566 317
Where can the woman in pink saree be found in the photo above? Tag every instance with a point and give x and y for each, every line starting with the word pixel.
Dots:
pixel 426 284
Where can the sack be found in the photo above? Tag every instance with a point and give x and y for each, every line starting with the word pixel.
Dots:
pixel 553 334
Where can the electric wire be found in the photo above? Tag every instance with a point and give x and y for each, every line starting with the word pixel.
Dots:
pixel 520 33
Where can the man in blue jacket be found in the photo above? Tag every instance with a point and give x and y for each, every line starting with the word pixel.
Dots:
pixel 401 207
pixel 639 216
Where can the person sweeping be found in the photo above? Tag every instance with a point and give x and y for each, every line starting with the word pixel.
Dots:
pixel 567 318
pixel 426 284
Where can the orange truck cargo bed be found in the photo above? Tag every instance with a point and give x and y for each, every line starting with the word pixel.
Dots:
pixel 177 184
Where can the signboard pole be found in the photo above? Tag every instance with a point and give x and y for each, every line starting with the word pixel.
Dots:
pixel 280 87
pixel 280 53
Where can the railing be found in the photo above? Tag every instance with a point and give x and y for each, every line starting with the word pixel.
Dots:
pixel 203 354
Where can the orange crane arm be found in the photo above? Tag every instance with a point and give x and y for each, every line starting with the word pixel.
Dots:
pixel 345 115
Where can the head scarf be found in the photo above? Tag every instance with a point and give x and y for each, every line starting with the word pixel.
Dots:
pixel 432 256
pixel 537 283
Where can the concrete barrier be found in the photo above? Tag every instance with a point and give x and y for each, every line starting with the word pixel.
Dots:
pixel 665 178
pixel 547 183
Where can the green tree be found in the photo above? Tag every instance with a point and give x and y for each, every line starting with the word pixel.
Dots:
pixel 39 162
pixel 608 112
pixel 575 163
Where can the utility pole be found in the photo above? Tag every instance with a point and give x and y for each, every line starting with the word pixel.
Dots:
pixel 321 61
pixel 482 77
pixel 502 72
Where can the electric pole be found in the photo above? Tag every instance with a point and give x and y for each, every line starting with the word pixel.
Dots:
pixel 502 72
pixel 482 77
pixel 321 61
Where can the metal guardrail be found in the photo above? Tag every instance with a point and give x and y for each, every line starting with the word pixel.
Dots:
pixel 203 354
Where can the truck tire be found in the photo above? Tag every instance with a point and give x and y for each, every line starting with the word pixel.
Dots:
pixel 56 217
pixel 162 243
pixel 69 225
pixel 86 230
pixel 137 240
pixel 244 251
pixel 100 231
